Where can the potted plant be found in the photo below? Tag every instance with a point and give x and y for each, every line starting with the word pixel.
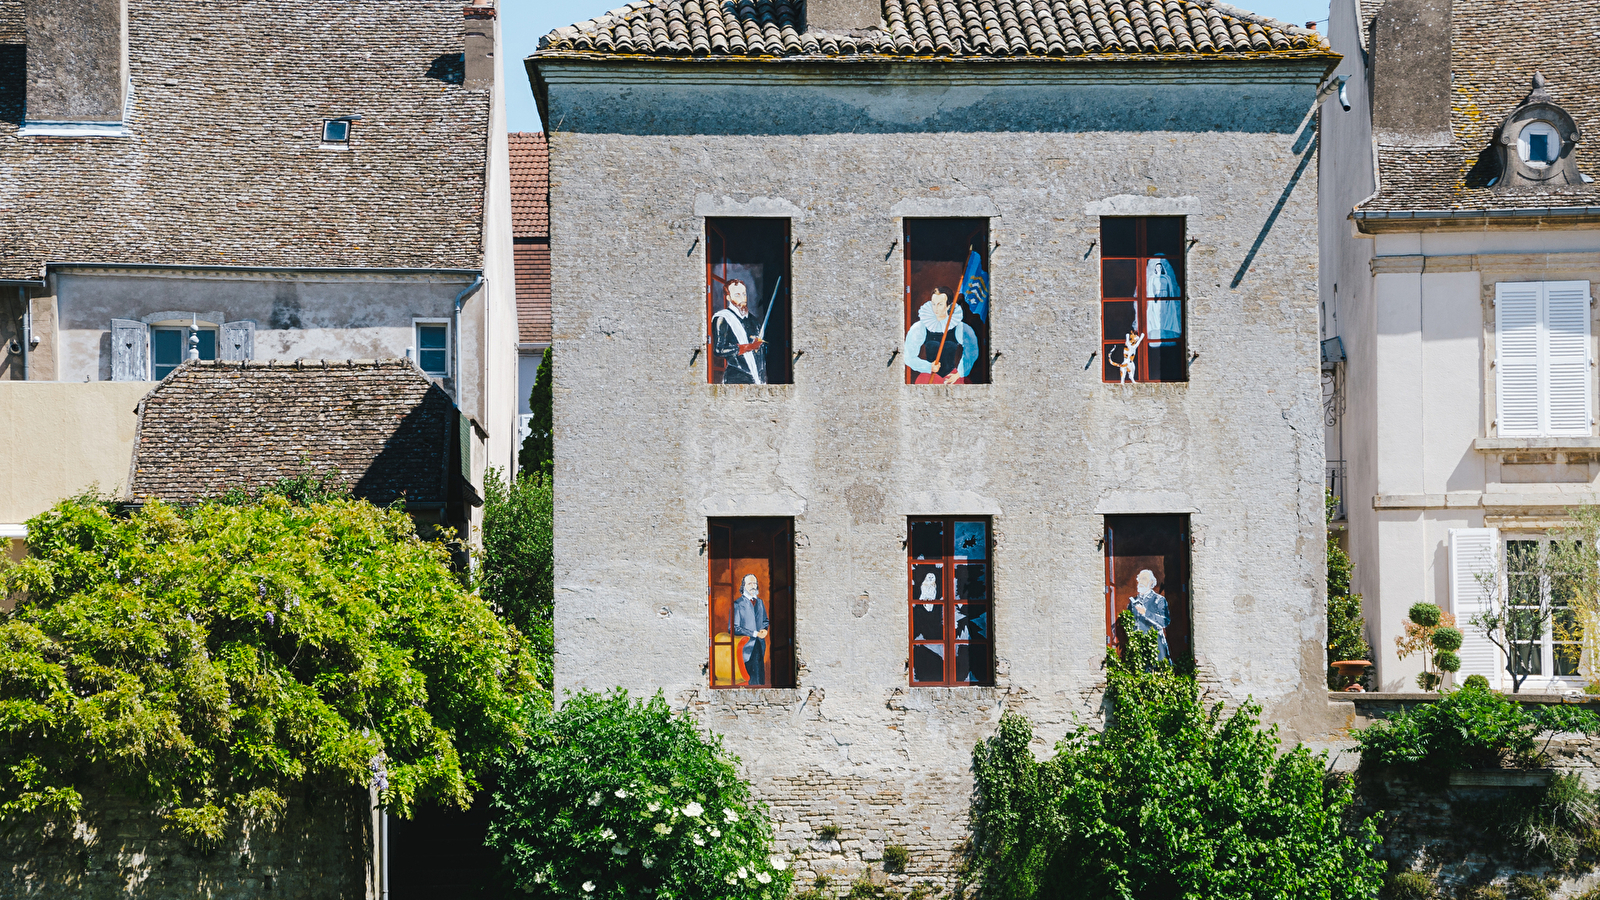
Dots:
pixel 1432 632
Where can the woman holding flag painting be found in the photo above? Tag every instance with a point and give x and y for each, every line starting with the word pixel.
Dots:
pixel 941 347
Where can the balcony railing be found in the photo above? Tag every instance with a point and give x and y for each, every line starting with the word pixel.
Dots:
pixel 1336 485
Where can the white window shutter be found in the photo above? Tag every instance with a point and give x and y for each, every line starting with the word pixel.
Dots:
pixel 1474 556
pixel 1567 358
pixel 1517 375
pixel 130 350
pixel 238 341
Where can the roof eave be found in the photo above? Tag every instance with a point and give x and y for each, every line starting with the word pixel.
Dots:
pixel 1387 221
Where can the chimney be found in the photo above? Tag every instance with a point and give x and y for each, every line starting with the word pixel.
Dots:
pixel 478 46
pixel 1411 72
pixel 77 64
pixel 843 15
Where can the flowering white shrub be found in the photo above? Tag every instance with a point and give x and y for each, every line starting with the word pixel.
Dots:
pixel 612 799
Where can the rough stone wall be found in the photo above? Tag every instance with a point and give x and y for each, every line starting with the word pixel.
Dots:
pixel 646 450
pixel 319 850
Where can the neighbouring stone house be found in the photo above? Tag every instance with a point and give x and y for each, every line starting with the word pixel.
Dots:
pixel 245 182
pixel 1461 246
pixel 903 347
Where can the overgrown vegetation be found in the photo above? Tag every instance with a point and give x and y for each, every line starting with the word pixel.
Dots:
pixel 211 659
pixel 895 858
pixel 1471 728
pixel 1346 628
pixel 1170 800
pixel 612 798
pixel 517 573
pixel 537 456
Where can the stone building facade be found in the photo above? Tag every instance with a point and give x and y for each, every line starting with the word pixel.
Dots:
pixel 250 177
pixel 1461 249
pixel 842 139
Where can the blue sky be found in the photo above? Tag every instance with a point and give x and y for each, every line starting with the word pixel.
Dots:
pixel 526 20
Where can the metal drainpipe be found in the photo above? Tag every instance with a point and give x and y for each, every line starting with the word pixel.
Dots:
pixel 27 328
pixel 383 855
pixel 455 335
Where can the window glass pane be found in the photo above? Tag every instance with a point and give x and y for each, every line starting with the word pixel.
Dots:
pixel 972 663
pixel 1164 237
pixel 948 303
pixel 927 621
pixel 1121 278
pixel 430 337
pixel 208 344
pixel 1148 567
pixel 927 540
pixel 972 622
pixel 166 351
pixel 1538 148
pixel 1525 659
pixel 750 566
pixel 1119 319
pixel 971 582
pixel 971 539
pixel 1118 237
pixel 927 663
pixel 748 301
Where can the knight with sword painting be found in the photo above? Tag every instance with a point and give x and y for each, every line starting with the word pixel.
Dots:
pixel 739 337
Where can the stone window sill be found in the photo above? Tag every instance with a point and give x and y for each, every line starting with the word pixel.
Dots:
pixel 1503 445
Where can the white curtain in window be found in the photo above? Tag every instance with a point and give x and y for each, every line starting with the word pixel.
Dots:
pixel 1474 554
pixel 1542 375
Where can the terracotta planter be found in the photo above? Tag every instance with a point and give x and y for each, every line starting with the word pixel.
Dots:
pixel 1501 778
pixel 1350 671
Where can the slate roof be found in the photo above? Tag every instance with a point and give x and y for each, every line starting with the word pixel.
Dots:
pixel 1496 47
pixel 223 166
pixel 213 426
pixel 962 28
pixel 530 218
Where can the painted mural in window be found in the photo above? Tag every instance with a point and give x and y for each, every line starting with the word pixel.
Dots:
pixel 1147 571
pixel 947 570
pixel 747 301
pixel 751 573
pixel 947 301
pixel 1143 335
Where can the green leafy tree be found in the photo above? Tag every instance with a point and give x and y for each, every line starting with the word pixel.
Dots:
pixel 213 659
pixel 1171 801
pixel 517 575
pixel 1471 728
pixel 615 799
pixel 1346 628
pixel 537 455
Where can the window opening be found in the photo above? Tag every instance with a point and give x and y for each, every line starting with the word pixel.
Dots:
pixel 169 347
pixel 433 349
pixel 1147 571
pixel 1531 586
pixel 747 301
pixel 952 635
pixel 1143 337
pixel 751 575
pixel 947 301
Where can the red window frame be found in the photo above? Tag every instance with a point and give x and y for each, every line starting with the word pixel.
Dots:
pixel 769 540
pixel 944 565
pixel 977 239
pixel 1111 304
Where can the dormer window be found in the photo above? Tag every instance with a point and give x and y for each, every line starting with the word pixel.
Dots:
pixel 1538 144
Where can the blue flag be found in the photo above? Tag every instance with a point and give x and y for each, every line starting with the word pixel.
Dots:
pixel 975 287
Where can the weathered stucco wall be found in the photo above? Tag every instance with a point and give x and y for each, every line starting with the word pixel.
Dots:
pixel 58 439
pixel 646 450
pixel 320 849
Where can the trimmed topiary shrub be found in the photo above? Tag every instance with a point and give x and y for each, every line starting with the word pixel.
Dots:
pixel 615 799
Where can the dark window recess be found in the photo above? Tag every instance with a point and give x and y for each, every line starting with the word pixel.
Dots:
pixel 169 347
pixel 751 570
pixel 952 628
pixel 1147 570
pixel 1143 309
pixel 433 354
pixel 947 301
pixel 747 301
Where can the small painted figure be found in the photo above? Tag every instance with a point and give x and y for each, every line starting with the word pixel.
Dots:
pixel 1166 311
pixel 1150 611
pixel 750 620
pixel 737 340
pixel 940 348
pixel 1130 357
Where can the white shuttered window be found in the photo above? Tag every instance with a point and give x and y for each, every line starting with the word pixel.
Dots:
pixel 1542 372
pixel 1473 558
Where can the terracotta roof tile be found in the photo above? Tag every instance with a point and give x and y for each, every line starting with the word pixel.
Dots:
pixel 533 293
pixel 530 184
pixel 213 426
pixel 996 28
pixel 1496 47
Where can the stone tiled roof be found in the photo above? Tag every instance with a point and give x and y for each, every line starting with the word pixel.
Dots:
pixel 223 165
pixel 986 28
pixel 530 184
pixel 1496 47
pixel 213 426
pixel 11 28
